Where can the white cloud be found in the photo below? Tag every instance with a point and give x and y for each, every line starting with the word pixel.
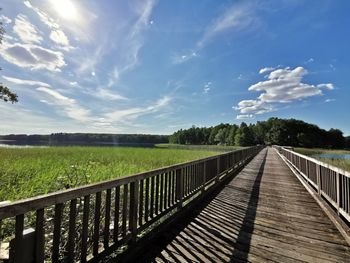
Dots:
pixel 134 40
pixel 56 35
pixel 245 116
pixel 328 86
pixel 236 18
pixel 107 95
pixel 32 56
pixel 282 86
pixel 207 87
pixel 4 19
pixel 25 82
pixel 68 106
pixel 329 100
pixel 253 106
pixel 135 112
pixel 310 60
pixel 178 59
pixel 25 30
pixel 43 16
pixel 265 70
pixel 59 37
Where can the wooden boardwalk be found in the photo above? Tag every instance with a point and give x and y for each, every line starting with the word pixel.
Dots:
pixel 263 215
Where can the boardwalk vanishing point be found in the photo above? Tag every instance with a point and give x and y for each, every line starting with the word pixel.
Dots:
pixel 264 214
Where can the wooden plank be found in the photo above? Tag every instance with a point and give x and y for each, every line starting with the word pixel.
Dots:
pixel 57 233
pixel 85 228
pixel 170 176
pixel 116 214
pixel 134 194
pixel 151 209
pixel 166 190
pixel 147 198
pixel 161 193
pixel 97 220
pixel 125 210
pixel 19 226
pixel 141 203
pixel 173 190
pixel 156 204
pixel 107 218
pixel 39 236
pixel 71 231
pixel 0 232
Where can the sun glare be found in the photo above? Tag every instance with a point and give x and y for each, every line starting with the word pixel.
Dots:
pixel 65 8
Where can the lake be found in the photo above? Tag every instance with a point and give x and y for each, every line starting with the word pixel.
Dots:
pixel 332 156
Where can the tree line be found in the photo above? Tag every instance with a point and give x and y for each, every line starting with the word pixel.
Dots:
pixel 85 138
pixel 277 131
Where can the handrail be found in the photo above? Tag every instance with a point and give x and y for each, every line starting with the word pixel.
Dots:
pixel 331 183
pixel 83 222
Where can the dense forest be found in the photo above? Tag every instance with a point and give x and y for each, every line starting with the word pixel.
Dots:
pixel 290 132
pixel 85 138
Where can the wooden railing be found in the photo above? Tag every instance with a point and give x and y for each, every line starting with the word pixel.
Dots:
pixel 81 224
pixel 331 183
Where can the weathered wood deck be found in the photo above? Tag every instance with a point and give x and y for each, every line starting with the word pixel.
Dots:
pixel 263 214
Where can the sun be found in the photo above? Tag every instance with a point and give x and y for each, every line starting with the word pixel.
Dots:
pixel 65 8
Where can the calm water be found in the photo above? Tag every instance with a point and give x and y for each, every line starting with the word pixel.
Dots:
pixel 332 156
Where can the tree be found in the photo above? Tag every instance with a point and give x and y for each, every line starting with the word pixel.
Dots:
pixel 220 136
pixel 230 140
pixel 244 136
pixel 5 93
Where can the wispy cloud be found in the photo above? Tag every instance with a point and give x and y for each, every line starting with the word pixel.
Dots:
pixel 106 94
pixel 178 59
pixel 66 105
pixel 134 40
pixel 56 35
pixel 32 56
pixel 26 31
pixel 25 82
pixel 245 117
pixel 265 70
pixel 236 18
pixel 135 112
pixel 207 87
pixel 282 86
pixel 4 19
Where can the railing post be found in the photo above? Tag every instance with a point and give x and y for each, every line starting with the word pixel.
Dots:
pixel 134 201
pixel 204 180
pixel 179 187
pixel 217 169
pixel 318 178
pixel 338 191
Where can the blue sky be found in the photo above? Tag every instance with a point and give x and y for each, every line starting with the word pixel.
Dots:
pixel 157 66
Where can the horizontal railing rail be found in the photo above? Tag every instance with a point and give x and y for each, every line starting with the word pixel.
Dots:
pixel 330 182
pixel 82 223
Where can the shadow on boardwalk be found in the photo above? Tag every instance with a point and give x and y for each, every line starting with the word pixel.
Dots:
pixel 215 231
pixel 263 214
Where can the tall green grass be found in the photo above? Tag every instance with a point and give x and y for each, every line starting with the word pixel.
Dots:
pixel 27 172
pixel 341 163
